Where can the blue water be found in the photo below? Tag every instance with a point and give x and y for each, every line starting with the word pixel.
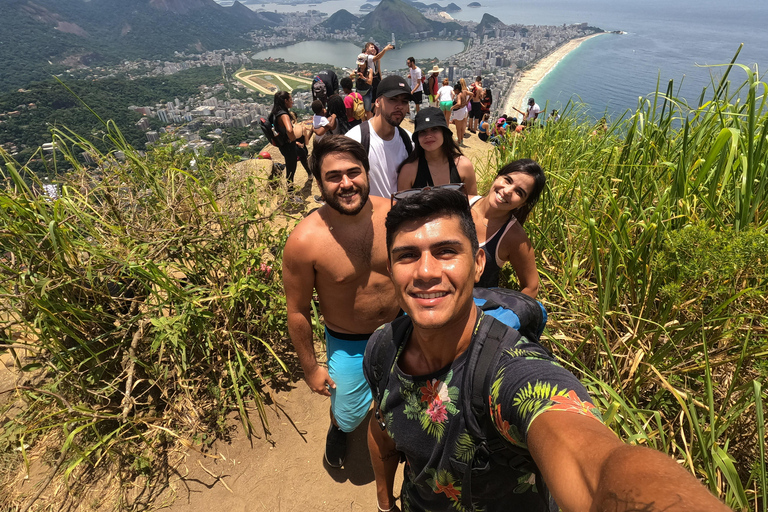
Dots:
pixel 341 54
pixel 665 39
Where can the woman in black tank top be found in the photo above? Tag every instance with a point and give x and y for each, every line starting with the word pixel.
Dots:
pixel 499 216
pixel 436 159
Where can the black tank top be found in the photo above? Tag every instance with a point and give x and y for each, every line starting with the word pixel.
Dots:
pixel 424 177
pixel 490 277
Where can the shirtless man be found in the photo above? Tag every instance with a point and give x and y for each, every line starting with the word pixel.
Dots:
pixel 477 109
pixel 340 251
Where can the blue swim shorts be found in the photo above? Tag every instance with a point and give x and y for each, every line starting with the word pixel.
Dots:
pixel 352 397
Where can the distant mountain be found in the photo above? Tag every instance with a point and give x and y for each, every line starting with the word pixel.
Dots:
pixel 489 22
pixel 40 37
pixel 400 18
pixel 452 8
pixel 340 20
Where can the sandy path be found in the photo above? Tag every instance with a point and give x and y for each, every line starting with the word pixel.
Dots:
pixel 518 94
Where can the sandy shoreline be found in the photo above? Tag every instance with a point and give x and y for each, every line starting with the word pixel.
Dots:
pixel 518 94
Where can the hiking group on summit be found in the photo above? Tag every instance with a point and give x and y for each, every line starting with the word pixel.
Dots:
pixel 405 259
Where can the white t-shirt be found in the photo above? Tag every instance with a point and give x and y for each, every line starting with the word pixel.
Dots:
pixel 319 122
pixel 384 157
pixel 533 110
pixel 415 76
pixel 444 93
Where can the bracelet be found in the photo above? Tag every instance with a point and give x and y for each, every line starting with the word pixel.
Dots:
pixel 385 509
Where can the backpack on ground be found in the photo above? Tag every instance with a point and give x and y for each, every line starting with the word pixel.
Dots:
pixel 509 315
pixel 365 137
pixel 268 129
pixel 358 107
pixel 320 91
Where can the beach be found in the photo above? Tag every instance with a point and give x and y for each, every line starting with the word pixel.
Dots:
pixel 519 92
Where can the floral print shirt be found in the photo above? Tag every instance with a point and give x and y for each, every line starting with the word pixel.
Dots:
pixel 423 419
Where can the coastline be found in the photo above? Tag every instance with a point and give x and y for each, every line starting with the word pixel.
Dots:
pixel 522 86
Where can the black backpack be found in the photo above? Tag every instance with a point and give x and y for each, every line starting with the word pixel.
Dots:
pixel 268 131
pixel 365 137
pixel 319 91
pixel 492 337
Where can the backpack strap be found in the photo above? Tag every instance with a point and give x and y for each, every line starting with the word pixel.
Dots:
pixel 407 142
pixel 380 355
pixel 486 350
pixel 365 137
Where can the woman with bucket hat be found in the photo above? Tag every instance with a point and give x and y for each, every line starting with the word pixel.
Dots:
pixel 436 159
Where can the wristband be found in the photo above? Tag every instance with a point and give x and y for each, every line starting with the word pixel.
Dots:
pixel 384 509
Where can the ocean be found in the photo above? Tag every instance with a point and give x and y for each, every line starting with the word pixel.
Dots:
pixel 664 40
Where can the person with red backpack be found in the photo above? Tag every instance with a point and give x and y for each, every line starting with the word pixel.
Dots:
pixel 353 104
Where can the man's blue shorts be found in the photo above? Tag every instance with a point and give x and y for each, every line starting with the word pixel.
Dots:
pixel 352 397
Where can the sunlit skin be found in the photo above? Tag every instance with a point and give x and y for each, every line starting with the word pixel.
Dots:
pixel 294 131
pixel 507 193
pixel 434 270
pixel 340 251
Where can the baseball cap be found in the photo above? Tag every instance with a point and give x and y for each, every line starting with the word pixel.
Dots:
pixel 429 117
pixel 392 86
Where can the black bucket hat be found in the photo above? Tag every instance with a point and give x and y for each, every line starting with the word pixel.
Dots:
pixel 429 117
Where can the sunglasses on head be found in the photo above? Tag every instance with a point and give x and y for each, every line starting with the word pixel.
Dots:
pixel 397 196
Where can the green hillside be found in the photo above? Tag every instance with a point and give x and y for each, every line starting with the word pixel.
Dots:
pixel 341 20
pixel 395 16
pixel 45 37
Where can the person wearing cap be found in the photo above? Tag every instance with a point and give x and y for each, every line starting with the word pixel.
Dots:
pixel 433 84
pixel 436 159
pixel 532 112
pixel 388 143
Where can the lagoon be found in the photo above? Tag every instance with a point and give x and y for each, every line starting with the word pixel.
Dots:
pixel 342 54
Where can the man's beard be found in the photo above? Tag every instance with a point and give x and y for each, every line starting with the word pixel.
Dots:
pixel 337 205
pixel 388 118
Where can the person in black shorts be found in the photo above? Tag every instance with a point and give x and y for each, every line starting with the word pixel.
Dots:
pixel 476 114
pixel 417 82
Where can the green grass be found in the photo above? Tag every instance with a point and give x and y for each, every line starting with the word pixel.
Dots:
pixel 652 242
pixel 150 300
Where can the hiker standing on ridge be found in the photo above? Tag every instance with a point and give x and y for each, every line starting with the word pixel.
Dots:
pixel 543 433
pixel 415 76
pixel 477 108
pixel 374 58
pixel 386 142
pixel 532 112
pixel 339 250
pixel 291 135
pixel 433 84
